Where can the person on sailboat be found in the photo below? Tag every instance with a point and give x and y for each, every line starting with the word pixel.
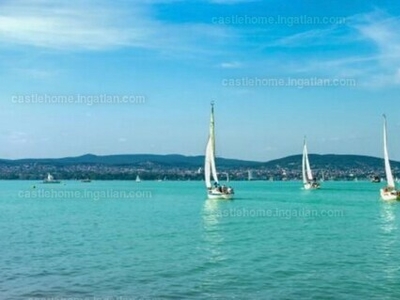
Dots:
pixel 224 189
pixel 315 183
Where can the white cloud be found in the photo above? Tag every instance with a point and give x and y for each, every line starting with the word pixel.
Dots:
pixel 82 25
pixel 381 30
pixel 231 65
pixel 376 65
pixel 304 39
pixel 98 25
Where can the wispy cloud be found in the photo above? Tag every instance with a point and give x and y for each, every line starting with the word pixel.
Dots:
pixel 305 39
pixel 42 24
pixel 98 25
pixel 231 65
pixel 375 34
pixel 381 30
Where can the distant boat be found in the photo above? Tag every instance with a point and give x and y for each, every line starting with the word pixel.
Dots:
pixel 284 175
pixel 309 182
pixel 86 180
pixel 376 179
pixel 226 175
pixel 217 191
pixel 249 175
pixel 389 192
pixel 138 178
pixel 50 179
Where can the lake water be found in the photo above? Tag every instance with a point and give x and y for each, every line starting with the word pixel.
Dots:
pixel 163 240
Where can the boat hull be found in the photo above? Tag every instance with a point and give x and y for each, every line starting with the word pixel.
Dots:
pixel 216 194
pixel 312 186
pixel 390 195
pixel 51 181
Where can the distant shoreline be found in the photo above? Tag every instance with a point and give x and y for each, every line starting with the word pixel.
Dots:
pixel 182 168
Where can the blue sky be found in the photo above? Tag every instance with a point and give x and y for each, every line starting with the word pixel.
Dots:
pixel 180 55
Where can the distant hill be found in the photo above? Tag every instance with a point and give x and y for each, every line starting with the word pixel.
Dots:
pixel 177 160
pixel 170 160
pixel 331 161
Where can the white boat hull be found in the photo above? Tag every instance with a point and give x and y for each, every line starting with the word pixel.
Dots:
pixel 311 186
pixel 213 194
pixel 389 195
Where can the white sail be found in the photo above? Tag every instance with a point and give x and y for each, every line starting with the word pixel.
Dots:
pixel 306 169
pixel 209 165
pixel 388 170
pixel 303 166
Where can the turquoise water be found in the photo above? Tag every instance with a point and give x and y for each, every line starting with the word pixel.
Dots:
pixel 163 240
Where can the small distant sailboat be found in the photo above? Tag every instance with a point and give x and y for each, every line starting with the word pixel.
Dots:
pixel 389 192
pixel 249 175
pixel 227 176
pixel 309 182
pixel 217 191
pixel 138 178
pixel 50 179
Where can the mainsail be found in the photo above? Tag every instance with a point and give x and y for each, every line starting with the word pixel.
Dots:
pixel 209 165
pixel 307 174
pixel 388 170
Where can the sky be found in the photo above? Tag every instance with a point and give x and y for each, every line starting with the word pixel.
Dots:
pixel 127 77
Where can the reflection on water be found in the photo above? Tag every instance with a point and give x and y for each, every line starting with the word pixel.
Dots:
pixel 211 213
pixel 388 217
pixel 389 234
pixel 212 230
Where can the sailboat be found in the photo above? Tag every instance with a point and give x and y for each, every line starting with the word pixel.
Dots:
pixel 389 192
pixel 215 191
pixel 137 178
pixel 309 182
pixel 50 179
